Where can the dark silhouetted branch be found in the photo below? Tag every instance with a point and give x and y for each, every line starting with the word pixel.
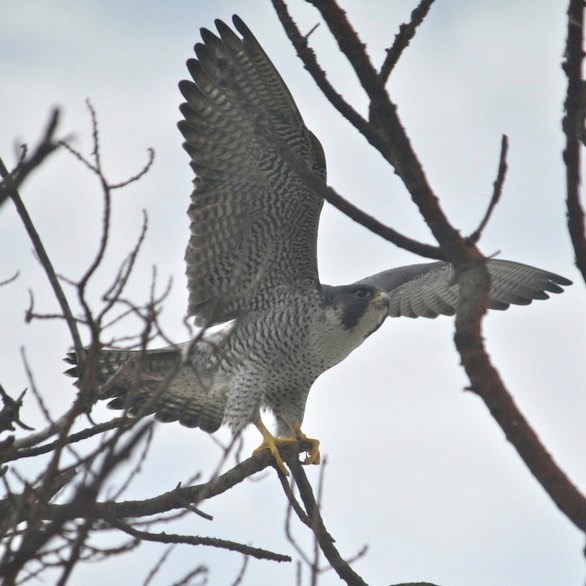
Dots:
pixel 28 164
pixel 485 381
pixel 403 38
pixel 496 191
pixel 391 137
pixel 310 63
pixel 11 188
pixel 325 540
pixel 393 143
pixel 573 127
pixel 176 498
pixel 363 126
pixel 10 413
pixel 256 552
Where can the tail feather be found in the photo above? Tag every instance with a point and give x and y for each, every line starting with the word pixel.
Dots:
pixel 160 382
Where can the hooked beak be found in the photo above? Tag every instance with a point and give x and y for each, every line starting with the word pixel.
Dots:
pixel 381 300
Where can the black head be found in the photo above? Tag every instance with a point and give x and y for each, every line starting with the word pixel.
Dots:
pixel 354 303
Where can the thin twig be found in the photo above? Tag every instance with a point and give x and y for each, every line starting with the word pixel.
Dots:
pixel 9 280
pixel 240 577
pixel 256 552
pixel 187 580
pixel 46 263
pixel 403 38
pixel 27 164
pixel 294 506
pixel 140 174
pixel 158 565
pixel 310 63
pixel 293 502
pixel 496 191
pixel 75 552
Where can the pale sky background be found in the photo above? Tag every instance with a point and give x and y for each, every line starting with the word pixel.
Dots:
pixel 416 467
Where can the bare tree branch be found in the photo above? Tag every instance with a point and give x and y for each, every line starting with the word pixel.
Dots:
pixel 573 127
pixel 9 280
pixel 57 536
pixel 158 565
pixel 364 127
pixel 471 275
pixel 393 142
pixel 485 381
pixel 176 498
pixel 325 540
pixel 11 187
pixel 28 164
pixel 187 579
pixel 496 192
pixel 403 38
pixel 256 552
pixel 10 413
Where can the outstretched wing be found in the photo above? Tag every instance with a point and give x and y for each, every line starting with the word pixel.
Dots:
pixel 253 220
pixel 428 290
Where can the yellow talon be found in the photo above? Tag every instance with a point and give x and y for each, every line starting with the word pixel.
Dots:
pixel 272 443
pixel 313 455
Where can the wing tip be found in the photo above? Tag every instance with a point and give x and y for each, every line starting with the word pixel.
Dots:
pixel 556 283
pixel 241 26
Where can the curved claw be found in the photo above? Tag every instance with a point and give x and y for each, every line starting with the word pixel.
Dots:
pixel 313 455
pixel 272 443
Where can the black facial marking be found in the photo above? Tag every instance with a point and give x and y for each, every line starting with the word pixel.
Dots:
pixel 351 301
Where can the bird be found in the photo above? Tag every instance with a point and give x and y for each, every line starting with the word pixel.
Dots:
pixel 269 327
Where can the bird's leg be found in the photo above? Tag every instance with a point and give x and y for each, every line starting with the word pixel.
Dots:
pixel 313 455
pixel 272 443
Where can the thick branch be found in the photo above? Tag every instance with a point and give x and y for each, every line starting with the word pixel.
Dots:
pixel 177 498
pixel 326 543
pixel 307 56
pixel 487 384
pixel 396 147
pixel 310 63
pixel 573 127
pixel 392 140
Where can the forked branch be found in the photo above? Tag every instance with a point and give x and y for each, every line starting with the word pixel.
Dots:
pixel 387 134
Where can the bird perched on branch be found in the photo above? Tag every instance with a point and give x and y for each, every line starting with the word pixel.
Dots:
pixel 251 262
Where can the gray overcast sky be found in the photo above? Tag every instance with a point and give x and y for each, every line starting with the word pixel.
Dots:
pixel 416 468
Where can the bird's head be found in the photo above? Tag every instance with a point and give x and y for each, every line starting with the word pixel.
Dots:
pixel 360 309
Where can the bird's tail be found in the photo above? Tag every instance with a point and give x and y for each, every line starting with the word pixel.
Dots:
pixel 159 381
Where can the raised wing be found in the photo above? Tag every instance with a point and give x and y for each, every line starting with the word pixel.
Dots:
pixel 253 220
pixel 428 289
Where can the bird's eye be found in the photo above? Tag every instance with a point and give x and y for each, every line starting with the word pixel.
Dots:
pixel 361 293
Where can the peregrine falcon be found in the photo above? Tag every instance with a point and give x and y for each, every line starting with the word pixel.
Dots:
pixel 252 265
